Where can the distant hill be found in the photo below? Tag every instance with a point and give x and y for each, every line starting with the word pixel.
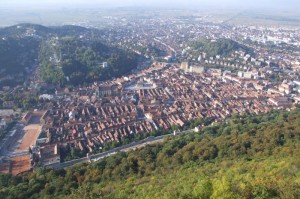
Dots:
pixel 27 29
pixel 247 157
pixel 18 53
pixel 24 29
pixel 66 54
pixel 222 47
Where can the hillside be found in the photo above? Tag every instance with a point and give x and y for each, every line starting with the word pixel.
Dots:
pixel 67 55
pixel 17 54
pixel 222 47
pixel 246 157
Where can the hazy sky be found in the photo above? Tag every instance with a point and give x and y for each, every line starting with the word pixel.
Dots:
pixel 278 4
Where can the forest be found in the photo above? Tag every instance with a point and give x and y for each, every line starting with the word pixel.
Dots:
pixel 246 156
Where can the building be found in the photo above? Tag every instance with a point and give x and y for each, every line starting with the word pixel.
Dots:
pixel 285 88
pixel 3 124
pixel 199 58
pixel 35 117
pixel 104 65
pixel 103 91
pixel 72 115
pixel 248 75
pixel 49 154
pixel 184 66
pixel 196 69
pixel 297 99
pixel 280 101
pixel 46 96
pixel 7 113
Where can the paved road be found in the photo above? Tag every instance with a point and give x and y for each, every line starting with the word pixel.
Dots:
pixel 125 148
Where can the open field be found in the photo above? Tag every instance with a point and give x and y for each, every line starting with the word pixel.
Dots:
pixel 17 143
pixel 17 148
pixel 22 138
pixel 265 18
pixel 31 134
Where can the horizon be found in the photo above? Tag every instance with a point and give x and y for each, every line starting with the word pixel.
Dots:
pixel 64 12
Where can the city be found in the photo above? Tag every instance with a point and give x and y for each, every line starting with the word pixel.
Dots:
pixel 90 92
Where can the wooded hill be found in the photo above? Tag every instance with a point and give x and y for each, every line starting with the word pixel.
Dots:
pixel 221 47
pixel 66 55
pixel 69 60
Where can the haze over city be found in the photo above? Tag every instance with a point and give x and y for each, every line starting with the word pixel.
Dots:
pixel 59 12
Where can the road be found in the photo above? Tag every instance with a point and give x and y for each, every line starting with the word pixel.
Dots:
pixel 125 148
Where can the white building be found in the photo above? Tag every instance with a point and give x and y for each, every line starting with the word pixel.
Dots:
pixel 196 69
pixel 46 96
pixel 104 65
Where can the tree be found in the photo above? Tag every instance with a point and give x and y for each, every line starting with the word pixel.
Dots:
pixel 203 189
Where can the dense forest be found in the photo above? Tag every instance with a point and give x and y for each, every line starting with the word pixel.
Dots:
pixel 248 156
pixel 66 55
pixel 222 47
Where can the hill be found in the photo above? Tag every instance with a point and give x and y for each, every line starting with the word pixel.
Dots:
pixel 35 30
pixel 73 60
pixel 17 55
pixel 66 55
pixel 246 157
pixel 222 47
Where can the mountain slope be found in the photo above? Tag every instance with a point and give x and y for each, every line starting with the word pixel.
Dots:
pixel 247 157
